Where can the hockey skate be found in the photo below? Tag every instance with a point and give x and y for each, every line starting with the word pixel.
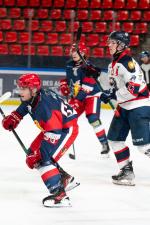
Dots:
pixel 125 177
pixel 57 200
pixel 68 181
pixel 105 150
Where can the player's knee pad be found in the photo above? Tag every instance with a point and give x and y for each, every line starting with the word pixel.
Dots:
pixel 145 149
pixel 116 145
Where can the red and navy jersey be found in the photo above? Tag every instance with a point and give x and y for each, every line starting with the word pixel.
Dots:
pixel 50 113
pixel 81 85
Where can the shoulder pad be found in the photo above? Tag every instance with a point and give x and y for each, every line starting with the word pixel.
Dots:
pixel 128 63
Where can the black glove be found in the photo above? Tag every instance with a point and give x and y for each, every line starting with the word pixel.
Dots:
pixel 107 95
pixel 92 71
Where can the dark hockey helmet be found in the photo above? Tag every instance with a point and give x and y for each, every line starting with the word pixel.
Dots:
pixel 144 54
pixel 30 80
pixel 120 36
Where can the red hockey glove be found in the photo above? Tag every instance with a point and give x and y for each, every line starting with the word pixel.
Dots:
pixel 77 105
pixel 33 159
pixel 64 88
pixel 11 121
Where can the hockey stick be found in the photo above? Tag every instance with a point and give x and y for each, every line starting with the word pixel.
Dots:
pixel 78 37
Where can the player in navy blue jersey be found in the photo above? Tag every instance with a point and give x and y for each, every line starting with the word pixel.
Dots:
pixel 81 87
pixel 57 121
pixel 133 111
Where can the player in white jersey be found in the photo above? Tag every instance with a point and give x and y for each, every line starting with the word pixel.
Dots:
pixel 133 111
pixel 145 65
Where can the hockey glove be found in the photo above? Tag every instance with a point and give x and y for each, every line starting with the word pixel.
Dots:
pixel 64 88
pixel 33 159
pixel 77 105
pixel 11 121
pixel 92 71
pixel 107 95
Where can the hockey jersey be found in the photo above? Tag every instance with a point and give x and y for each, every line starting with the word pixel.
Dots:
pixel 50 112
pixel 126 76
pixel 81 85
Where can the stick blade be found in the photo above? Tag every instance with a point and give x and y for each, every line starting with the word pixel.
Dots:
pixel 5 96
pixel 71 156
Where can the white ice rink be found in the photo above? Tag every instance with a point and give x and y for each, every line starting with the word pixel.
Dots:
pixel 95 202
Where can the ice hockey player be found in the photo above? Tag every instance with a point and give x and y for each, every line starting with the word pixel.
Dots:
pixel 81 85
pixel 133 110
pixel 58 124
pixel 145 65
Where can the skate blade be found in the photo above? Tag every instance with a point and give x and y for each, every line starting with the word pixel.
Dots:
pixel 50 204
pixel 71 186
pixel 124 182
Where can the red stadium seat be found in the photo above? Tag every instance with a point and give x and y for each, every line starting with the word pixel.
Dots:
pixel 67 14
pixel 82 14
pixel 43 50
pixel 52 38
pixel 38 37
pixel 73 27
pixel 108 15
pixel 107 53
pixel 3 49
pixel 92 40
pixel 11 37
pixel 19 25
pixel 100 27
pixel 15 49
pixel 128 27
pixel 98 52
pixel 23 37
pixel 141 28
pixel 5 24
pixel 22 3
pixel 60 26
pixel 144 4
pixel 3 12
pixel 9 3
pixel 87 27
pixel 28 50
pixel 42 13
pixel 55 14
pixel 70 4
pixel 58 3
pixel 135 15
pixel 46 3
pixel 14 13
pixel 1 36
pixel 34 25
pixel 107 4
pixel 1 2
pixel 113 26
pixel 34 3
pixel 131 4
pixel 28 13
pixel 95 15
pixel 56 51
pixel 46 26
pixel 134 40
pixel 82 4
pixel 65 39
pixel 146 15
pixel 95 4
pixel 122 15
pixel 103 40
pixel 119 4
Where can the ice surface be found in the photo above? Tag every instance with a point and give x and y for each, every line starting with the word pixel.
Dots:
pixel 95 202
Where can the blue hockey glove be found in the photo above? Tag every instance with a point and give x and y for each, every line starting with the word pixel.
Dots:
pixel 107 95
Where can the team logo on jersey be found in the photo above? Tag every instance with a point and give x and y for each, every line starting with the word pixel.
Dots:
pixel 38 125
pixel 131 65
